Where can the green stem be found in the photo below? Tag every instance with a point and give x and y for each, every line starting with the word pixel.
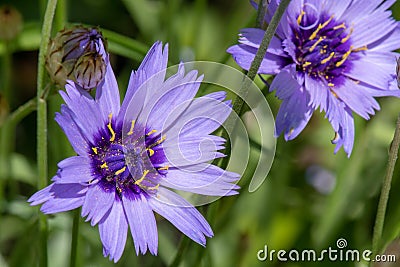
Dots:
pixel 380 215
pixel 181 249
pixel 74 241
pixel 7 132
pixel 262 8
pixel 20 113
pixel 251 74
pixel 42 122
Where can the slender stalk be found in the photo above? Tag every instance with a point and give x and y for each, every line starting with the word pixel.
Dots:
pixel 181 249
pixel 380 215
pixel 74 240
pixel 262 8
pixel 42 122
pixel 251 74
pixel 20 113
pixel 7 132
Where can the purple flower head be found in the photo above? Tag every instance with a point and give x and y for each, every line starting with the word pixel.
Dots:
pixel 335 55
pixel 131 155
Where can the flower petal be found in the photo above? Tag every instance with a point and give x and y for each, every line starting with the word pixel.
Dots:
pixel 74 170
pixel 205 179
pixel 107 94
pixel 182 215
pixel 113 230
pixel 141 222
pixel 71 128
pixel 98 201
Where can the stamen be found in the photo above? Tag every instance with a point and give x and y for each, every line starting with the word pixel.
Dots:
pixel 331 84
pixel 165 168
pixel 328 58
pixel 299 18
pixel 307 63
pixel 316 43
pixel 362 48
pixel 132 126
pixel 153 187
pixel 151 132
pixel 94 150
pixel 110 128
pixel 120 171
pixel 341 26
pixel 333 93
pixel 162 139
pixel 142 178
pixel 104 166
pixel 348 36
pixel 320 27
pixel 151 151
pixel 344 57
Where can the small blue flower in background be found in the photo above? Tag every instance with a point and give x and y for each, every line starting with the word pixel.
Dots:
pixel 335 55
pixel 130 154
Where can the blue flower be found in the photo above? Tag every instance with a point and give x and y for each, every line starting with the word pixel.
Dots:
pixel 131 155
pixel 332 55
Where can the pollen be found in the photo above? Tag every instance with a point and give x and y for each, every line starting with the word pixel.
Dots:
pixel 94 150
pixel 120 171
pixel 151 152
pixel 165 168
pixel 300 17
pixel 132 127
pixel 316 43
pixel 328 58
pixel 112 138
pixel 347 37
pixel 142 178
pixel 151 132
pixel 104 166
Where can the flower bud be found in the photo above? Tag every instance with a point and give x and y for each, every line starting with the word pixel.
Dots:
pixel 77 54
pixel 10 22
pixel 89 71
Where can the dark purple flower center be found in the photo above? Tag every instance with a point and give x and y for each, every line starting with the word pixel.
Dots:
pixel 322 45
pixel 127 161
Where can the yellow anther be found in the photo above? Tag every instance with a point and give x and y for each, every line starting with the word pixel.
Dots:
pixel 341 26
pixel 331 85
pixel 104 166
pixel 347 37
pixel 162 139
pixel 110 128
pixel 328 58
pixel 320 27
pixel 151 132
pixel 142 178
pixel 153 187
pixel 307 63
pixel 151 152
pixel 165 168
pixel 344 57
pixel 132 126
pixel 120 171
pixel 333 93
pixel 362 48
pixel 316 43
pixel 300 17
pixel 94 150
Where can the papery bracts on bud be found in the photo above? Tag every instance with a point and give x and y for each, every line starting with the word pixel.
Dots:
pixel 77 54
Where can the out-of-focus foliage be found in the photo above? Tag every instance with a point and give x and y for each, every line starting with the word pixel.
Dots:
pixel 310 199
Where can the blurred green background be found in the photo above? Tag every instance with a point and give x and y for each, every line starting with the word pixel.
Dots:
pixel 310 199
